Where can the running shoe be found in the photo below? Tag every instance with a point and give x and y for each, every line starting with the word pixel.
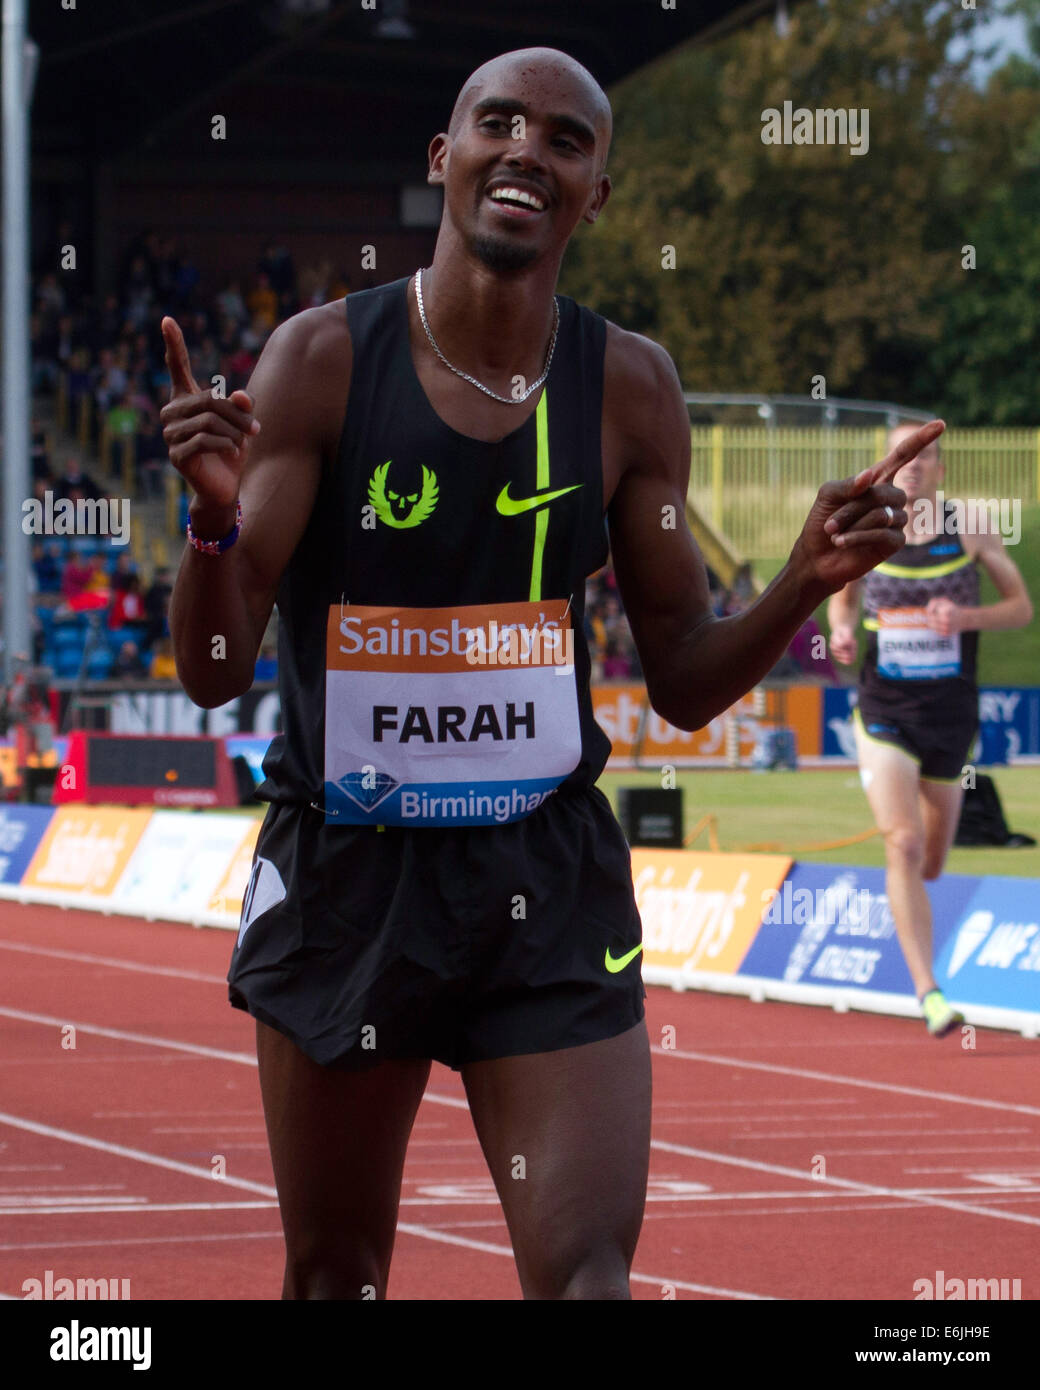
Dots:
pixel 938 1013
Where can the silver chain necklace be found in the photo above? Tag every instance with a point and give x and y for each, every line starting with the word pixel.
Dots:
pixel 506 400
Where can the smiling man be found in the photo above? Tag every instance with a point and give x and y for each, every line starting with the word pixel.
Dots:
pixel 438 876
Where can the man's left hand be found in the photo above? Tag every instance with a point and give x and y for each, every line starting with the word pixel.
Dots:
pixel 856 524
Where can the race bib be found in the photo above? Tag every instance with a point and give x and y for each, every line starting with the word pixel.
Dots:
pixel 448 716
pixel 908 649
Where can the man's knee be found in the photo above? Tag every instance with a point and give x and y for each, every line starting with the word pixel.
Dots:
pixel 592 1273
pixel 905 844
pixel 348 1274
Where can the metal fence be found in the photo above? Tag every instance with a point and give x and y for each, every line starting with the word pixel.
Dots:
pixel 756 484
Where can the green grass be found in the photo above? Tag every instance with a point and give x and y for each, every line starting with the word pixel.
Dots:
pixel 812 807
pixel 1005 658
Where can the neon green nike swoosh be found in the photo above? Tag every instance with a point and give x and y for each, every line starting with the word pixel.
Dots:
pixel 509 506
pixel 614 965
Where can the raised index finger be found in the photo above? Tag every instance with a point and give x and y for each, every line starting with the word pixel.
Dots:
pixel 904 451
pixel 181 379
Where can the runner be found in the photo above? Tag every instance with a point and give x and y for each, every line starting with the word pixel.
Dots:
pixel 438 876
pixel 917 711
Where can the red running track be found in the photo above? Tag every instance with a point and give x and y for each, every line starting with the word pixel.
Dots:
pixel 797 1153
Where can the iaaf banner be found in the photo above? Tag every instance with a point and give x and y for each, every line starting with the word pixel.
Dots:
pixel 992 954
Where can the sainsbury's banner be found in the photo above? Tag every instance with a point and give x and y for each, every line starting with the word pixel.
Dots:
pixel 700 911
pixel 635 730
pixel 21 830
pixel 992 953
pixel 85 850
pixel 225 903
pixel 830 924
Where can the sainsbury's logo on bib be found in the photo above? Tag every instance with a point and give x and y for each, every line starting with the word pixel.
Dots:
pixel 448 716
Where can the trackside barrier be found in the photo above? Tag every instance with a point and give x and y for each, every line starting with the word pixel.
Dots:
pixel 757 925
pixel 824 935
pixel 178 866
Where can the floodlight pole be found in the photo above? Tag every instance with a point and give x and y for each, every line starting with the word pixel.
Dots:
pixel 18 74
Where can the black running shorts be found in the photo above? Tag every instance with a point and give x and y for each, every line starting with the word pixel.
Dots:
pixel 940 750
pixel 459 944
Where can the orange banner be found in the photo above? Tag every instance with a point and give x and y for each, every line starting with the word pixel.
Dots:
pixel 701 911
pixel 86 849
pixel 625 717
pixel 227 896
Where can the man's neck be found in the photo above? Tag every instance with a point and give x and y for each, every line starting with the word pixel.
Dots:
pixel 487 323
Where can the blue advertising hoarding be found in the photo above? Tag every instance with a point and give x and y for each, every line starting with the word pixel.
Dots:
pixel 21 830
pixel 992 956
pixel 830 924
pixel 1009 723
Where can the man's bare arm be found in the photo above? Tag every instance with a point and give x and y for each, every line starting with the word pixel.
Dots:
pixel 298 391
pixel 843 619
pixel 697 665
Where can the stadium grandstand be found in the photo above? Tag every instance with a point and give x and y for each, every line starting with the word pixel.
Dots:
pixel 135 219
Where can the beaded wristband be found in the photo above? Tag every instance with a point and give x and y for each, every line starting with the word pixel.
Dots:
pixel 225 543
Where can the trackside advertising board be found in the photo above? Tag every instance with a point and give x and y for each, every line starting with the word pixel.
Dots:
pixel 831 925
pixel 824 934
pixel 21 830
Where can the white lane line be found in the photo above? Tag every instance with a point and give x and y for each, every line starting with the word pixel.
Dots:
pixel 820 1135
pixel 776 1070
pixel 492 1249
pixel 847 1184
pixel 140 1240
pixel 139 1155
pixel 114 963
pixel 938 1149
pixel 148 1039
pixel 756 1118
pixel 114 1210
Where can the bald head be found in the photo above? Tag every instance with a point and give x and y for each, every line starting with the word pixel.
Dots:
pixel 544 76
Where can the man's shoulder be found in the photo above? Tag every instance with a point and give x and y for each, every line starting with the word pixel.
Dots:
pixel 635 363
pixel 321 335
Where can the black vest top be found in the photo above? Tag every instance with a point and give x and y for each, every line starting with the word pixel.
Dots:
pixel 913 576
pixel 398 462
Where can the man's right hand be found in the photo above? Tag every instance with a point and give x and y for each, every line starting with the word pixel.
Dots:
pixel 843 645
pixel 207 437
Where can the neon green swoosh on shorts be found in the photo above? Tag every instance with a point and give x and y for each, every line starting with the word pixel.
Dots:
pixel 615 964
pixel 510 506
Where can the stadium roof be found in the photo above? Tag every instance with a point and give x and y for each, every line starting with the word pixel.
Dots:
pixel 118 81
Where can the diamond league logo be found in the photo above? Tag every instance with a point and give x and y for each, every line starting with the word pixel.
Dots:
pixel 367 788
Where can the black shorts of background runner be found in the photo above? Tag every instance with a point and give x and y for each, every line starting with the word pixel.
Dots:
pixel 940 749
pixel 460 944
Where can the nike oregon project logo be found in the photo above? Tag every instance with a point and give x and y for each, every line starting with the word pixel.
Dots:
pixel 401 509
pixel 510 506
pixel 614 964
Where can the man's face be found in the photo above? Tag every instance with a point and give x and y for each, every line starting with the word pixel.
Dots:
pixel 523 165
pixel 922 475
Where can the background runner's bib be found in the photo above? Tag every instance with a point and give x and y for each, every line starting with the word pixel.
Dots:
pixel 441 716
pixel 910 674
pixel 908 649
